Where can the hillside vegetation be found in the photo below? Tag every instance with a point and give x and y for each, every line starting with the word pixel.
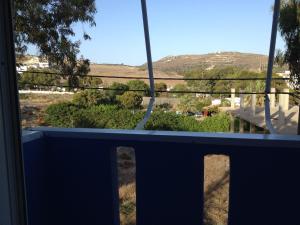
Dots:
pixel 182 63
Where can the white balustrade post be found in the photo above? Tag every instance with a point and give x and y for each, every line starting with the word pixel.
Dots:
pixel 242 100
pixel 272 98
pixel 253 104
pixel 232 98
pixel 283 106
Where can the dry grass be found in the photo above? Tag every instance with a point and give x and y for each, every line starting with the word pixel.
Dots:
pixel 33 107
pixel 216 188
pixel 245 61
pixel 132 71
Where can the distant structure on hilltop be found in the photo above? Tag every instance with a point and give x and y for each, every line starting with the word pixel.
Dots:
pixel 31 62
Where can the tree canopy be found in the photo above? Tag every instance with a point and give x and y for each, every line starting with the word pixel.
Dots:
pixel 289 26
pixel 48 25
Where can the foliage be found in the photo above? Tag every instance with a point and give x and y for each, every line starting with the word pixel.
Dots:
pixel 90 82
pixel 173 122
pixel 100 116
pixel 164 106
pixel 226 85
pixel 210 85
pixel 160 87
pixel 61 114
pixel 130 100
pixel 48 25
pixel 30 80
pixel 289 26
pixel 120 89
pixel 190 103
pixel 111 116
pixel 165 121
pixel 89 98
pixel 279 58
pixel 225 103
pixel 139 85
pixel 216 123
pixel 179 88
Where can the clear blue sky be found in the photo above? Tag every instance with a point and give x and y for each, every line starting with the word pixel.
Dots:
pixel 177 27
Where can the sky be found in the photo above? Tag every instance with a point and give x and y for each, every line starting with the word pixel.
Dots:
pixel 176 27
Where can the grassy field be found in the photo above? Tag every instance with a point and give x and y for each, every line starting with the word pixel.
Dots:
pixel 130 71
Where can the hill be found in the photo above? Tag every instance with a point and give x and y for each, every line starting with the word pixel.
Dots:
pixel 114 70
pixel 181 63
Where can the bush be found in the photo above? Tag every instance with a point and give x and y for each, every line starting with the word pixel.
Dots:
pixel 111 116
pixel 121 89
pixel 31 80
pixel 88 81
pixel 216 123
pixel 88 98
pixel 61 114
pixel 190 103
pixel 100 116
pixel 164 121
pixel 172 122
pixel 139 85
pixel 130 100
pixel 225 103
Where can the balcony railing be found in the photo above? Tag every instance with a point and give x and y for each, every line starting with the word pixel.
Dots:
pixel 71 176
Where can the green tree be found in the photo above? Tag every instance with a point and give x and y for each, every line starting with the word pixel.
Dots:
pixel 48 25
pixel 161 87
pixel 179 88
pixel 139 85
pixel 117 89
pixel 131 100
pixel 30 80
pixel 90 82
pixel 289 26
pixel 279 58
pixel 189 103
pixel 88 98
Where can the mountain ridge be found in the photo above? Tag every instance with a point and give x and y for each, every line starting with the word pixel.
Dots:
pixel 181 63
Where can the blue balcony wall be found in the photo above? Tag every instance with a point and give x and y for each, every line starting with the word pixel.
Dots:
pixel 70 181
pixel 71 176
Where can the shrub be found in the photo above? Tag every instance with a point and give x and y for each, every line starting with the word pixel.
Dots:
pixel 190 103
pixel 31 80
pixel 111 116
pixel 100 116
pixel 164 121
pixel 88 98
pixel 216 123
pixel 130 100
pixel 61 114
pixel 139 85
pixel 161 87
pixel 121 89
pixel 88 81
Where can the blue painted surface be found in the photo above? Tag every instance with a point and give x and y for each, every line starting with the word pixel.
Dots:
pixel 71 176
pixel 169 179
pixel 70 181
pixel 34 155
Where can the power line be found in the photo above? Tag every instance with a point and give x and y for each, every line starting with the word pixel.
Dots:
pixel 158 78
pixel 162 91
